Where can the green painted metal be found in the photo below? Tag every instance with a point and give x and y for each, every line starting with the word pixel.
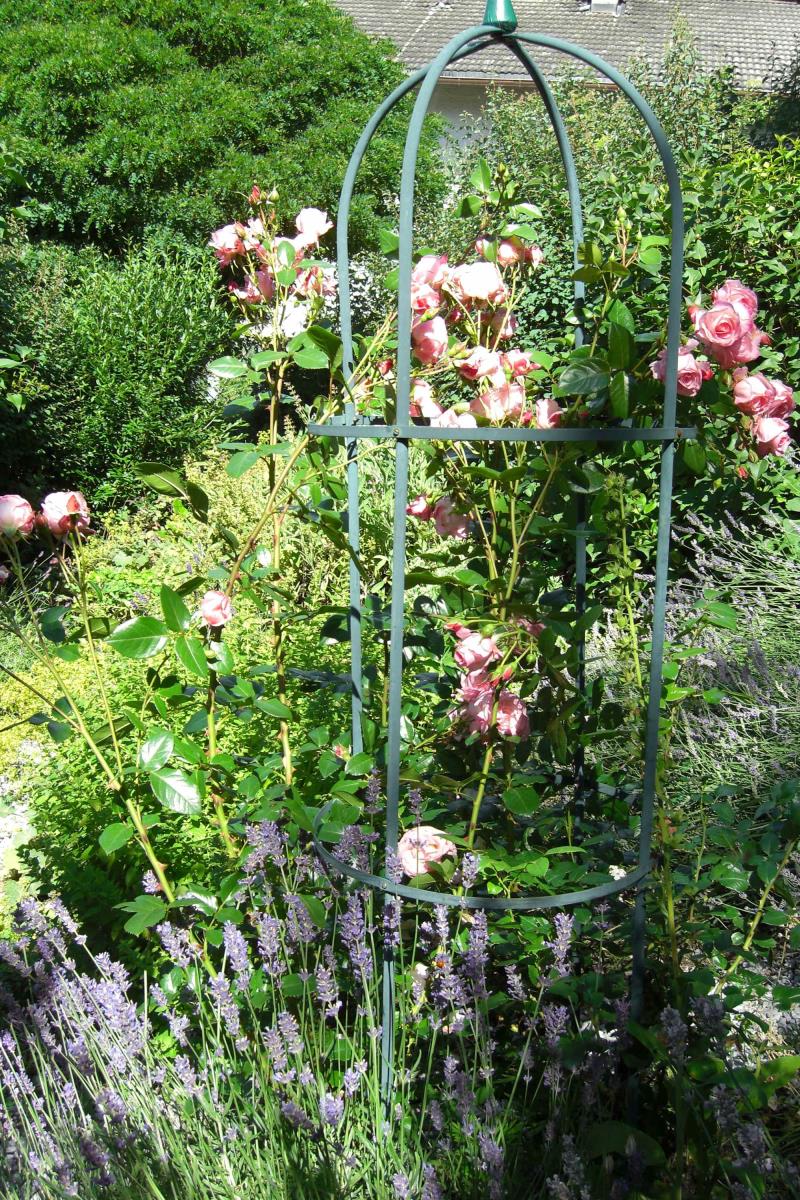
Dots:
pixel 499 26
pixel 501 13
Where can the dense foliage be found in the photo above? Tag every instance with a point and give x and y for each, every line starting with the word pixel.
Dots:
pixel 129 116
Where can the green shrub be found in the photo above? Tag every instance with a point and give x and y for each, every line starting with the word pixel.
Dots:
pixel 121 352
pixel 129 116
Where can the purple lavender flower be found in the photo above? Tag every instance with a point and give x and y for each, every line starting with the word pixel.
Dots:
pixel 300 928
pixel 430 1187
pixel 275 1048
pixel 353 847
pixel 401 1186
pixel 187 1075
pixel 675 1034
pixel 477 955
pixel 268 931
pixel 468 870
pixel 415 803
pixel 354 935
pixel 514 985
pixel 560 945
pixel 492 1161
pixel 226 1006
pixel 150 884
pixel 331 1109
pixel 267 845
pixel 236 953
pixel 372 795
pixel 287 1023
pixel 295 1116
pixel 176 943
pixel 327 991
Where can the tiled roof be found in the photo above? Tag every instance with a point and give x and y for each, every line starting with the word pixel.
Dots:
pixel 752 36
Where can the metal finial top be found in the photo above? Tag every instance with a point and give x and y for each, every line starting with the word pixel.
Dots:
pixel 501 13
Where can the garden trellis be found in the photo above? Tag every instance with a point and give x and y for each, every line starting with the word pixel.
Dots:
pixel 499 27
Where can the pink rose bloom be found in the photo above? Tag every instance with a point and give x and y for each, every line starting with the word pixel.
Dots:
pixel 419 848
pixel 421 508
pixel 478 283
pixel 477 714
pixel 721 325
pixel 248 293
pixel 535 256
pixel 481 362
pixel 312 224
pixel 450 419
pixel 227 244
pixel 772 435
pixel 534 628
pixel 510 251
pixel 17 518
pixel 475 652
pixel 459 629
pixel 753 394
pixel 63 511
pixel 519 363
pixel 309 282
pixel 743 299
pixel 746 350
pixel 431 270
pixel 5 574
pixel 496 404
pixel 215 609
pixel 385 367
pixel 254 232
pixel 424 298
pixel 784 401
pixel 430 339
pixel 266 283
pixel 548 413
pixel 691 373
pixel 422 401
pixel 512 715
pixel 474 684
pixel 504 323
pixel 448 521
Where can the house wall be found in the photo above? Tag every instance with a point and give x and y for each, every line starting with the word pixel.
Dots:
pixel 461 104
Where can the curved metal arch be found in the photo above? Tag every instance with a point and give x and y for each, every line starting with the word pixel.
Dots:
pixel 466 43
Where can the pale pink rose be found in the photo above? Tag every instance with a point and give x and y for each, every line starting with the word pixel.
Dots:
pixel 504 323
pixel 474 684
pixel 519 363
pixel 430 339
pixel 510 251
pixel 215 609
pixel 746 350
pixel 478 283
pixel 548 413
pixel 535 255
pixel 450 419
pixel 784 401
pixel 476 651
pixel 419 848
pixel 753 394
pixel 424 298
pixel 691 372
pixel 310 282
pixel 247 292
pixel 721 326
pixel 266 283
pixel 17 518
pixel 312 224
pixel 483 246
pixel 254 232
pixel 432 270
pixel 477 714
pixel 5 574
pixel 499 403
pixel 481 362
pixel 421 508
pixel 422 403
pixel 743 299
pixel 227 244
pixel 534 628
pixel 63 511
pixel 772 435
pixel 459 629
pixel 512 715
pixel 448 521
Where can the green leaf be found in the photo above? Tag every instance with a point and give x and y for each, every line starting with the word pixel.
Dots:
pixel 732 877
pixel 621 315
pixel 274 708
pixel 51 624
pixel 311 359
pixel 695 457
pixel 389 241
pixel 227 368
pixel 265 358
pixel 583 377
pixel 359 764
pixel 621 347
pixel 177 790
pixel 157 750
pixel 470 206
pixel 147 911
pixel 522 801
pixel 115 836
pixel 723 616
pixel 141 637
pixel 481 177
pixel 240 463
pixel 613 1137
pixel 619 393
pixel 176 614
pixel 191 653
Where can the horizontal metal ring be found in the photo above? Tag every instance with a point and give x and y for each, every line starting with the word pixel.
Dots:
pixel 496 434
